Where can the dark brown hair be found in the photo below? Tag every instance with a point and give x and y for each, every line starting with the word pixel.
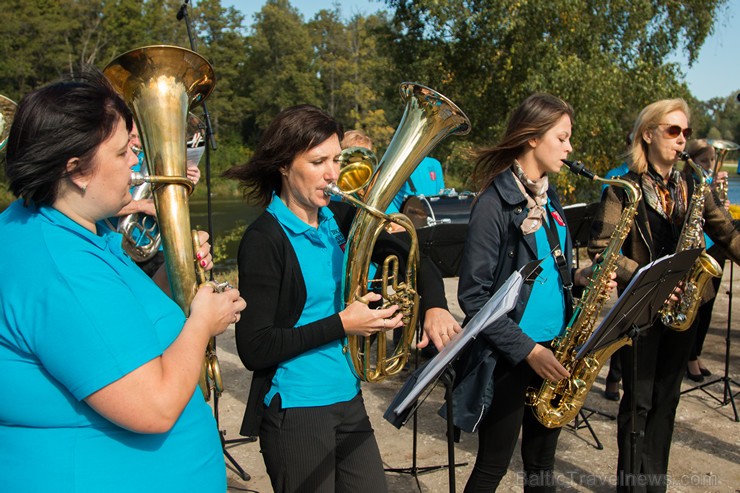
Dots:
pixel 530 120
pixel 293 131
pixel 56 123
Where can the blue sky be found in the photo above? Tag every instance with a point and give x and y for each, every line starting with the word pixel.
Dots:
pixel 716 73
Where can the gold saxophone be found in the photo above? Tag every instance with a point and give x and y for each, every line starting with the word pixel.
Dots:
pixel 556 403
pixel 159 84
pixel 679 315
pixel 428 118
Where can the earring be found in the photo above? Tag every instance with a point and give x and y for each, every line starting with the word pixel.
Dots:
pixel 84 188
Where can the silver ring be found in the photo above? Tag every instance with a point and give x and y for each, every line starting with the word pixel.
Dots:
pixel 384 323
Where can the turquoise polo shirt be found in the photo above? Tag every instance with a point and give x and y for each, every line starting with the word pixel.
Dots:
pixel 321 376
pixel 544 315
pixel 76 314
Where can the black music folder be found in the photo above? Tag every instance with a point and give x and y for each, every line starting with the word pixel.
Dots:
pixel 641 300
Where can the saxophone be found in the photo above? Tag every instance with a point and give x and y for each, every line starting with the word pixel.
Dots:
pixel 679 315
pixel 556 403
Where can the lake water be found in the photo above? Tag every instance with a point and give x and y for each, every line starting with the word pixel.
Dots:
pixel 232 215
pixel 229 214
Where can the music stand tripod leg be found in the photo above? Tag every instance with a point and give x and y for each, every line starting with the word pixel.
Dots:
pixel 728 397
pixel 222 434
pixel 582 416
pixel 414 469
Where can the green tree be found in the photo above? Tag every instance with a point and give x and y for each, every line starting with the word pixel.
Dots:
pixel 279 68
pixel 608 58
pixel 354 71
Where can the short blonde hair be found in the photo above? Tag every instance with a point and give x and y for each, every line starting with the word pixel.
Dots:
pixel 356 138
pixel 649 118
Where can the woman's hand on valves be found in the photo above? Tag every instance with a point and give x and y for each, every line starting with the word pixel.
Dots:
pixel 358 319
pixel 214 310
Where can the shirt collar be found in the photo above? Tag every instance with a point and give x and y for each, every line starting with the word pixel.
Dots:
pixel 105 240
pixel 289 220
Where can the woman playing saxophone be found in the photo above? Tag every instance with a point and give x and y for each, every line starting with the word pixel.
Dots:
pixel 660 134
pixel 517 218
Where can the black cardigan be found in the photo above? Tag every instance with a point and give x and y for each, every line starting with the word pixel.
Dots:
pixel 271 281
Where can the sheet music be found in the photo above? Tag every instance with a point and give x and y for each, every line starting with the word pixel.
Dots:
pixel 502 302
pixel 194 154
pixel 659 277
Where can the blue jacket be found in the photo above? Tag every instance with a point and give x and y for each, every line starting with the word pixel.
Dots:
pixel 494 248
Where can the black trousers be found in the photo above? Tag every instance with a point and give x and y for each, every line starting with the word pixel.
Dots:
pixel 499 431
pixel 321 449
pixel 662 355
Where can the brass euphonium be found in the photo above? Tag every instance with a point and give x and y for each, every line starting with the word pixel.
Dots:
pixel 721 148
pixel 160 84
pixel 357 165
pixel 680 314
pixel 141 235
pixel 556 403
pixel 428 118
pixel 7 113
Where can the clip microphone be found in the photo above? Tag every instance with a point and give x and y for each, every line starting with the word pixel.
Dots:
pixel 578 168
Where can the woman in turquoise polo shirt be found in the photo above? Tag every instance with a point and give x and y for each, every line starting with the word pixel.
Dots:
pixel 305 401
pixel 516 219
pixel 103 364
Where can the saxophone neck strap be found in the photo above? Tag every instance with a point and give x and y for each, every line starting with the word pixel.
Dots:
pixel 561 263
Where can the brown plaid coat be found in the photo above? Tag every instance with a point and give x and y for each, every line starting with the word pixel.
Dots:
pixel 638 248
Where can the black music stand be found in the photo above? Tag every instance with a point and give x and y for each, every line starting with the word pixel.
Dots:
pixel 579 217
pixel 636 311
pixel 424 380
pixel 728 397
pixel 210 143
pixel 581 421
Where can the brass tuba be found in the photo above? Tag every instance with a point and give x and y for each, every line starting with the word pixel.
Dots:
pixel 556 403
pixel 428 118
pixel 679 315
pixel 721 148
pixel 7 113
pixel 160 84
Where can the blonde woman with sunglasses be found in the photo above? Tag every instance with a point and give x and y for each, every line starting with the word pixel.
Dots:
pixel 660 133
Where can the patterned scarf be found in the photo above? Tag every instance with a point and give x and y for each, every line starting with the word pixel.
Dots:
pixel 536 195
pixel 668 199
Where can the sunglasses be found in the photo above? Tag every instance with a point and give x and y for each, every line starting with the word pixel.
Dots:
pixel 673 131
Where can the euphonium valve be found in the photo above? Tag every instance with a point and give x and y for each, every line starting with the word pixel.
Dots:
pixel 160 84
pixel 428 118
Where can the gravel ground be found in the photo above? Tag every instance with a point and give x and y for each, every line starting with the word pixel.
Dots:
pixel 705 456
